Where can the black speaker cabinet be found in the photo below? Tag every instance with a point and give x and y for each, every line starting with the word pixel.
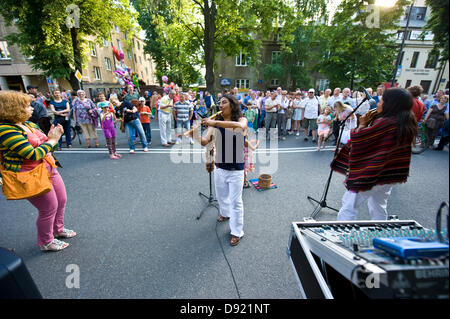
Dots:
pixel 15 280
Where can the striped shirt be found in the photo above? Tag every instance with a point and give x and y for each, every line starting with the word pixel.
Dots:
pixel 183 110
pixel 14 147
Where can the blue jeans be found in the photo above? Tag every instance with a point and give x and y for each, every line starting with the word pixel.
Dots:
pixel 131 128
pixel 148 131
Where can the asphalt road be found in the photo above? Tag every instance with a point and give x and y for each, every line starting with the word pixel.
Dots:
pixel 138 236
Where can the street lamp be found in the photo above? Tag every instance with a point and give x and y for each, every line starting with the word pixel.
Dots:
pixel 405 33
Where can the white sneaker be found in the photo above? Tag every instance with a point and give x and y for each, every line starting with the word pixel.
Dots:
pixel 297 134
pixel 192 141
pixel 178 141
pixel 146 149
pixel 131 151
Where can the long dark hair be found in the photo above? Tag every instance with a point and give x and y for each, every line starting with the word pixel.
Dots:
pixel 397 104
pixel 236 113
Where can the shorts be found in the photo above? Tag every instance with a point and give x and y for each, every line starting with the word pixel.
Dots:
pixel 88 131
pixel 323 132
pixel 310 123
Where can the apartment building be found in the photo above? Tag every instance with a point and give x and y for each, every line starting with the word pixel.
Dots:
pixel 98 75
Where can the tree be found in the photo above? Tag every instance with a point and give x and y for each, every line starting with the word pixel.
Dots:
pixel 54 32
pixel 356 46
pixel 216 25
pixel 438 24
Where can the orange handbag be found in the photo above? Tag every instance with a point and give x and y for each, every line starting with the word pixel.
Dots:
pixel 22 185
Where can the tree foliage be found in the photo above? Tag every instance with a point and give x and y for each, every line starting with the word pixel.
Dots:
pixel 438 23
pixel 43 33
pixel 356 47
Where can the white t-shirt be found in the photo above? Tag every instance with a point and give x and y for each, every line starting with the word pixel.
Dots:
pixel 311 107
pixel 269 103
pixel 324 118
pixel 284 105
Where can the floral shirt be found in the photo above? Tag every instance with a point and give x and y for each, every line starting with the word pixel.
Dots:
pixel 82 111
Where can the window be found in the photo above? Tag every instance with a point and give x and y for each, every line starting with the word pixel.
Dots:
pixel 105 42
pixel 117 29
pixel 129 54
pixel 275 37
pixel 242 84
pixel 431 61
pixel 92 48
pixel 138 45
pixel 125 36
pixel 119 45
pixel 414 59
pixel 146 71
pixel 274 82
pixel 140 60
pixel 108 64
pixel 135 60
pixel 408 84
pixel 97 74
pixel 241 59
pixel 426 86
pixel 276 57
pixel 4 52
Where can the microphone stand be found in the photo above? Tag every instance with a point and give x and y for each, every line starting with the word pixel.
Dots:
pixel 322 203
pixel 210 198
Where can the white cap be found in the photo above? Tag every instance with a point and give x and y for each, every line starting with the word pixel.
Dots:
pixel 311 90
pixel 142 98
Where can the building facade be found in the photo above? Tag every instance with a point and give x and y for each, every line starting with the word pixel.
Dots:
pixel 418 66
pixel 98 74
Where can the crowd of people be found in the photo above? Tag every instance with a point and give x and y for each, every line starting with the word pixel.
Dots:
pixel 29 136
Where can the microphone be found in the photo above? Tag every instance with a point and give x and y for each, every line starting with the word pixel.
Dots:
pixel 369 97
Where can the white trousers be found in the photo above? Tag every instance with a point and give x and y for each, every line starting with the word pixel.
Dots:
pixel 228 185
pixel 165 126
pixel 376 201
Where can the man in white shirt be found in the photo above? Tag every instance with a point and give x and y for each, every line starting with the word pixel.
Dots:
pixel 165 118
pixel 310 114
pixel 271 112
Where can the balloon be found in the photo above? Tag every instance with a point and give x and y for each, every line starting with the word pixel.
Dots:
pixel 166 89
pixel 118 67
pixel 165 79
pixel 122 82
pixel 121 55
pixel 119 72
pixel 117 54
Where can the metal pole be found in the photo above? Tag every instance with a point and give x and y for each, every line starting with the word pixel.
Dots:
pixel 405 33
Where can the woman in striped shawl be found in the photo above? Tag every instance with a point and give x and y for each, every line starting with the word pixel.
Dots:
pixel 378 155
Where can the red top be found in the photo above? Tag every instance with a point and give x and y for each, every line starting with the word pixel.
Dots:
pixel 418 109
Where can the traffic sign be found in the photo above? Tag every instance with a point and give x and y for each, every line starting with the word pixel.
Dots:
pixel 78 75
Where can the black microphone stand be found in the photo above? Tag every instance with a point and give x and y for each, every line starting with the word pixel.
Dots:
pixel 322 203
pixel 210 198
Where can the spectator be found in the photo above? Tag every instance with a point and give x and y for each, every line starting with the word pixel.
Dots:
pixel 380 91
pixel 323 122
pixel 132 124
pixel 23 147
pixel 61 109
pixel 364 107
pixel 444 138
pixel 86 114
pixel 343 110
pixel 281 118
pixel 145 115
pixel 323 99
pixel 131 94
pixel 346 97
pixel 311 107
pixel 166 105
pixel 183 111
pixel 271 113
pixel 418 107
pixel 298 113
pixel 434 121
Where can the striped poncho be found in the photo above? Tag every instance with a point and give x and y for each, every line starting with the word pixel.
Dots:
pixel 372 157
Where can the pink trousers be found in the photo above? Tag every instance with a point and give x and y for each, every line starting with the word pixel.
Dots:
pixel 50 208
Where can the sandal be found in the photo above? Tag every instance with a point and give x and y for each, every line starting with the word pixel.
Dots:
pixel 222 219
pixel 235 240
pixel 66 233
pixel 246 184
pixel 54 245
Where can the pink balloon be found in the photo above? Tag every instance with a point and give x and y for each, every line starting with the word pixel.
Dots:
pixel 121 55
pixel 165 78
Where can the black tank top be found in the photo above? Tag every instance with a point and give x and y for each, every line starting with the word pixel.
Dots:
pixel 229 149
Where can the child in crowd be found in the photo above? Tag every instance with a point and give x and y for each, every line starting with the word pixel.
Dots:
pixel 324 121
pixel 249 113
pixel 249 163
pixel 108 118
pixel 145 115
